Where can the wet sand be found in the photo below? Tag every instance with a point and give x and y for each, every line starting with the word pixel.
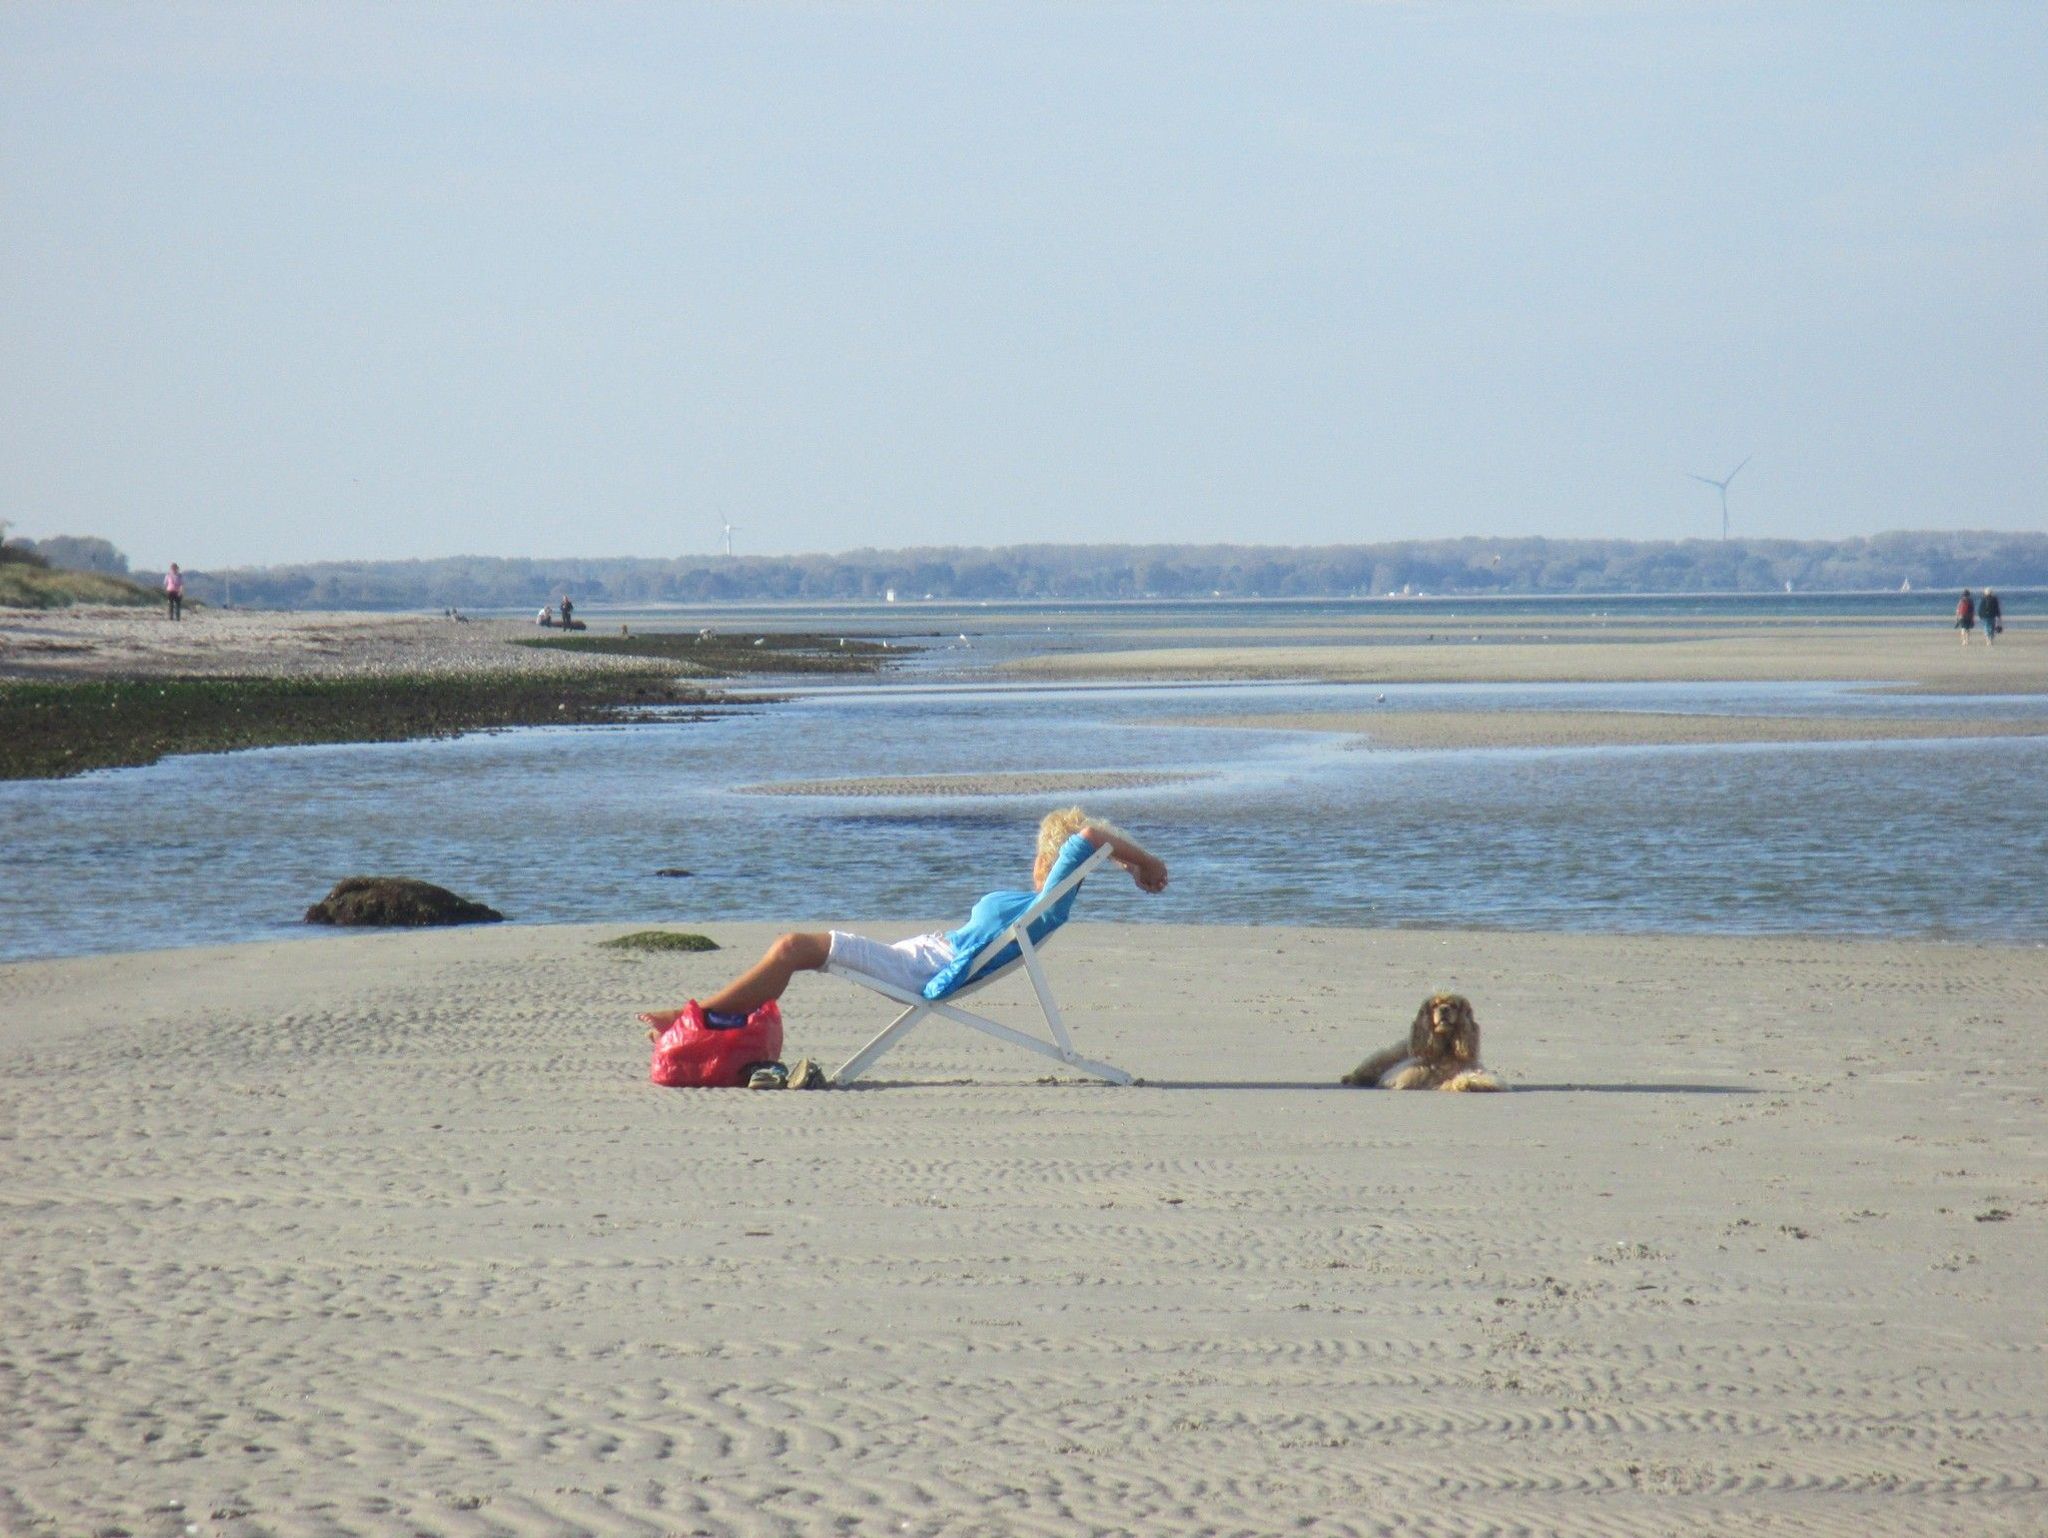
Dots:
pixel 388 1234
pixel 1926 660
pixel 1475 729
pixel 1019 784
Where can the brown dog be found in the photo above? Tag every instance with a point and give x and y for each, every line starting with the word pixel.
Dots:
pixel 1442 1052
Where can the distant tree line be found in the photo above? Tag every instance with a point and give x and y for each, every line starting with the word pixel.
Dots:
pixel 69 553
pixel 1444 566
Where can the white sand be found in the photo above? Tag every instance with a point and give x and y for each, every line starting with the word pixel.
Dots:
pixel 389 1235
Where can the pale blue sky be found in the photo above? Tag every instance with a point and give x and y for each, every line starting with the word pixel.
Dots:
pixel 286 282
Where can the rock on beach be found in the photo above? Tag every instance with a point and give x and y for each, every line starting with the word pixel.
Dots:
pixel 397 902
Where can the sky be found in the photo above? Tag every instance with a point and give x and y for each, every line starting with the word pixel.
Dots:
pixel 308 281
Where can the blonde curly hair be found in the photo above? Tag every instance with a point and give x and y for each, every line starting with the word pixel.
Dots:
pixel 1057 827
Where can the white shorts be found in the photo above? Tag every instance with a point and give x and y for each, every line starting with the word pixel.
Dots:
pixel 908 964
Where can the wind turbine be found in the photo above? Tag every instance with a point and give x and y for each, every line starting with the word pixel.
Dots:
pixel 729 526
pixel 1720 486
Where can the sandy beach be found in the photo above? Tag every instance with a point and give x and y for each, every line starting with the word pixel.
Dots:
pixel 388 1234
pixel 101 642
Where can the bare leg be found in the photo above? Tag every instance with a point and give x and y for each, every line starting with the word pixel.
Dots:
pixel 766 979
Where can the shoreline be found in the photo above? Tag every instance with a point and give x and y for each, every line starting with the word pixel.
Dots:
pixel 287 933
pixel 114 688
pixel 1234 1296
pixel 71 695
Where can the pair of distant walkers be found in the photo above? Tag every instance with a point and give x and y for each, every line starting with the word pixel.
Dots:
pixel 1988 609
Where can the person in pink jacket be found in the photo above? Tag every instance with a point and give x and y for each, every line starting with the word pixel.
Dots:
pixel 174 591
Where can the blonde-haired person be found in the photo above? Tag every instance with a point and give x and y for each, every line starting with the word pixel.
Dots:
pixel 1065 839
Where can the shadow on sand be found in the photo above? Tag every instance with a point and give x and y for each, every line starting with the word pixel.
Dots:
pixel 1516 1088
pixel 1326 1086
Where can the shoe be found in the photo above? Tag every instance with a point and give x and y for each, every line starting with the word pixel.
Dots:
pixel 807 1075
pixel 768 1076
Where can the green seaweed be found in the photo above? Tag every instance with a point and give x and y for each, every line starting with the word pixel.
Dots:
pixel 744 651
pixel 659 940
pixel 49 730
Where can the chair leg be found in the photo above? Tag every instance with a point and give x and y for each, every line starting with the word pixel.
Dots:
pixel 1046 1003
pixel 1032 1043
pixel 1108 1072
pixel 862 1060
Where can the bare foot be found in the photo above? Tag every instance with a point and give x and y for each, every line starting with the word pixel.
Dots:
pixel 659 1020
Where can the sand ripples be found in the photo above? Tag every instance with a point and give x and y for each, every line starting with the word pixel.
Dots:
pixel 391 1237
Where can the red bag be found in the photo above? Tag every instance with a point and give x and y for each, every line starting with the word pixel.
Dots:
pixel 690 1054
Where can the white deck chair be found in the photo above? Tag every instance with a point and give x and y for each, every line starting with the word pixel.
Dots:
pixel 1060 1048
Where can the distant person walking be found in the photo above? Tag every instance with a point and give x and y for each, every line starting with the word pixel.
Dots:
pixel 174 591
pixel 568 612
pixel 1992 613
pixel 1966 617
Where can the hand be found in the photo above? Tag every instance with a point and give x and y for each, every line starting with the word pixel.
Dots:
pixel 1149 873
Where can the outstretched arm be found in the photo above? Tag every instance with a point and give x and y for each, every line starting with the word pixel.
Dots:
pixel 1146 868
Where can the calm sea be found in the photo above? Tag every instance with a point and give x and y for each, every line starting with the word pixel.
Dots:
pixel 1936 839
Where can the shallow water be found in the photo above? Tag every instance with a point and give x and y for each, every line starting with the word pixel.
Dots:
pixel 1936 839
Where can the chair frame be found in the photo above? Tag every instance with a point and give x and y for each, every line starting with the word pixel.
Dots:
pixel 1060 1048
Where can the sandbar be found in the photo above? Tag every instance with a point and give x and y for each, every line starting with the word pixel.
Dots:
pixel 1022 783
pixel 1484 729
pixel 389 1234
pixel 1925 660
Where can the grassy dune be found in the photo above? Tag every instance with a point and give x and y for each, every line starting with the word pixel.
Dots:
pixel 25 586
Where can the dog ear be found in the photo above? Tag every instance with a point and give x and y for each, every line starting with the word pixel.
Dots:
pixel 1419 1033
pixel 1467 1037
